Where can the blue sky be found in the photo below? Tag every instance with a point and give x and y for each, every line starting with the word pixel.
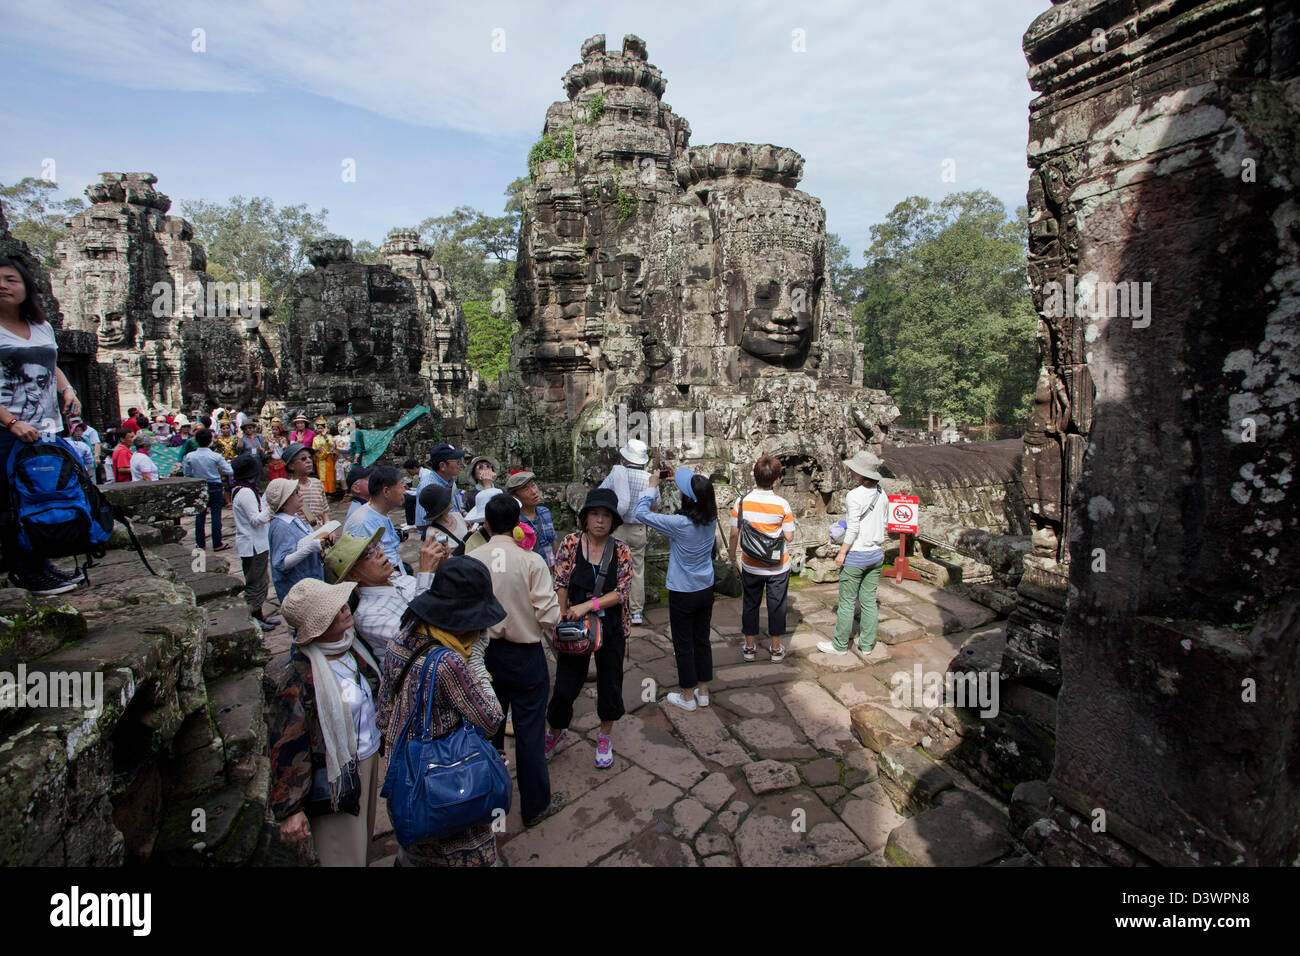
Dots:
pixel 413 92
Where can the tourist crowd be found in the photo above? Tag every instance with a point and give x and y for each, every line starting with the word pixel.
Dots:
pixel 456 645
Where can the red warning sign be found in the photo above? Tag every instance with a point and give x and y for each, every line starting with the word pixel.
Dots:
pixel 903 513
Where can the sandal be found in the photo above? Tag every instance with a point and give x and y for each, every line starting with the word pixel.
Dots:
pixel 750 651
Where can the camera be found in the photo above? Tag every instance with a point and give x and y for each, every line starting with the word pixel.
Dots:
pixel 665 474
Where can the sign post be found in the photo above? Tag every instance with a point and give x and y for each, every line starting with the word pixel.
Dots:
pixel 902 518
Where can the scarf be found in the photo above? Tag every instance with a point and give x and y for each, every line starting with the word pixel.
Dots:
pixel 337 727
pixel 448 640
pixel 408 645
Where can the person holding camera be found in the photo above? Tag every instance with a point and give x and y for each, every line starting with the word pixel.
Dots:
pixel 691 545
pixel 386 493
pixel 764 562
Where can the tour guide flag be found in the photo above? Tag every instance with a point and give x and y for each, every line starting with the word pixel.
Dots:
pixel 371 443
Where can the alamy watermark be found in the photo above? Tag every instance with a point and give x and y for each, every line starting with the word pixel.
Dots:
pixel 922 689
pixel 210 300
pixel 676 428
pixel 1125 300
pixel 77 690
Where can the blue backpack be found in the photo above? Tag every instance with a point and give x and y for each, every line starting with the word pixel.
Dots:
pixel 58 510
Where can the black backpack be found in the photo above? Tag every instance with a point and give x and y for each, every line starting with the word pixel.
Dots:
pixel 755 544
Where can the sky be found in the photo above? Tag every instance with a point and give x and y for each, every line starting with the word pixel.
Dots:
pixel 438 103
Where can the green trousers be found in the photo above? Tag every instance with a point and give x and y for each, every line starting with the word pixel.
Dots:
pixel 857 586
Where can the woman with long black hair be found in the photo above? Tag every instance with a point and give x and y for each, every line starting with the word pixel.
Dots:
pixel 691 545
pixel 33 391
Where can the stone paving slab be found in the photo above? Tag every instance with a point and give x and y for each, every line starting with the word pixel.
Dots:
pixel 703 730
pixel 749 703
pixel 774 835
pixel 657 751
pixel 967 614
pixel 596 824
pixel 774 739
pixel 823 719
pixel 756 674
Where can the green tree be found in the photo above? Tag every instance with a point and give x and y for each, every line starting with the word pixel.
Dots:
pixel 36 215
pixel 947 322
pixel 253 240
pixel 489 338
pixel 845 280
pixel 477 251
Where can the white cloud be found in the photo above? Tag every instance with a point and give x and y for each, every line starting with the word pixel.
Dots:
pixel 883 94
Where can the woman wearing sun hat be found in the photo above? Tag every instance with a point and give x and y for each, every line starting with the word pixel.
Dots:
pixel 296 553
pixel 691 541
pixel 861 557
pixel 323 732
pixel 453 613
pixel 300 432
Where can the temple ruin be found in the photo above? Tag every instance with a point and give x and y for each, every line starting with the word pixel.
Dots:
pixel 677 294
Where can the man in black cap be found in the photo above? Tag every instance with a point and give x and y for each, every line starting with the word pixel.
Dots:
pixel 358 479
pixel 446 462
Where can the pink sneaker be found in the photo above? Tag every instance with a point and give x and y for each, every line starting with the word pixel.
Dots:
pixel 604 751
pixel 552 740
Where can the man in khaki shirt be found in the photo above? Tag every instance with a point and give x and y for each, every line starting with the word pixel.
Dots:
pixel 522 584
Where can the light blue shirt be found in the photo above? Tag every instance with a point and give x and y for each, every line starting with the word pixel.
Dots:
pixel 206 464
pixel 690 545
pixel 363 524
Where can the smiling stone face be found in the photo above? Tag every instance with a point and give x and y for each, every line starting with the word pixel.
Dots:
pixel 778 324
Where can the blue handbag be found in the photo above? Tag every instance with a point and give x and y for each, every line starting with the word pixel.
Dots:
pixel 439 786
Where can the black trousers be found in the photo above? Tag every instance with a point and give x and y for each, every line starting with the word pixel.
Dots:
pixel 521 682
pixel 777 586
pixel 571 674
pixel 689 615
pixel 257 574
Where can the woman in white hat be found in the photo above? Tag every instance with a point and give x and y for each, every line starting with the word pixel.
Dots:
pixel 324 735
pixel 296 553
pixel 861 557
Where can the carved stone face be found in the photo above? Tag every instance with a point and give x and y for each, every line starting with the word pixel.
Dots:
pixel 113 329
pixel 779 316
pixel 232 386
pixel 106 307
pixel 630 284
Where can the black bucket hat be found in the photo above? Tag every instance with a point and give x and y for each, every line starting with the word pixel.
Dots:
pixel 601 498
pixel 460 599
pixel 291 451
pixel 434 499
pixel 246 466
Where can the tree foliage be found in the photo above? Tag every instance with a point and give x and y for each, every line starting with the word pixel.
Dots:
pixel 36 215
pixel 944 310
pixel 489 338
pixel 253 240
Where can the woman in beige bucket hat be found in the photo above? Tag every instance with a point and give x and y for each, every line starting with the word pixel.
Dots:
pixel 861 558
pixel 324 734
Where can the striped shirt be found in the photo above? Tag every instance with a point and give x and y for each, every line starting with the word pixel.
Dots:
pixel 770 514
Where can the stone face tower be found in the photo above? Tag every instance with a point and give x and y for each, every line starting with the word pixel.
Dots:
pixel 678 294
pixel 124 268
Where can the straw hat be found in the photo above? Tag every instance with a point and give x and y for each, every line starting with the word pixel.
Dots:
pixel 865 464
pixel 279 491
pixel 311 606
pixel 298 417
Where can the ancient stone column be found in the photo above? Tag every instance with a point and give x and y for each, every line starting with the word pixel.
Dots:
pixel 1164 434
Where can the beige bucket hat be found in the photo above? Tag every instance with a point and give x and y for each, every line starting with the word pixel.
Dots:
pixel 865 464
pixel 310 607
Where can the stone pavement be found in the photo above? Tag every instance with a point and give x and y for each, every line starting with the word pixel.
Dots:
pixel 771 774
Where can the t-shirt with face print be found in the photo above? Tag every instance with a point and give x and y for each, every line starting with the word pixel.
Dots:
pixel 27 377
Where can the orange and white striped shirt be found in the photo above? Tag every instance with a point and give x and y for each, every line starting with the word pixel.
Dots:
pixel 769 513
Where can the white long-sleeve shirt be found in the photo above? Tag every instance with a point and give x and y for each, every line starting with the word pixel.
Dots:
pixel 252 523
pixel 866 518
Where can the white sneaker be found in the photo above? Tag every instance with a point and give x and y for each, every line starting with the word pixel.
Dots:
pixel 826 647
pixel 702 700
pixel 678 700
pixel 636 618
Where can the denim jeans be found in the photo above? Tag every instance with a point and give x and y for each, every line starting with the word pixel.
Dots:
pixel 857 586
pixel 216 490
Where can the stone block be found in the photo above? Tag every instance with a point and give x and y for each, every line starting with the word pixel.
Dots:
pixel 964 831
pixel 877 729
pixel 234 641
pixel 766 776
pixel 910 779
pixel 240 711
pixel 1029 803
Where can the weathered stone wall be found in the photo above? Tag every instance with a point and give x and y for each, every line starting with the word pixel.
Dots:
pixel 182 727
pixel 1164 150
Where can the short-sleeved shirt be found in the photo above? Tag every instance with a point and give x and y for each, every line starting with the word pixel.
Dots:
pixel 27 377
pixel 770 514
pixel 142 466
